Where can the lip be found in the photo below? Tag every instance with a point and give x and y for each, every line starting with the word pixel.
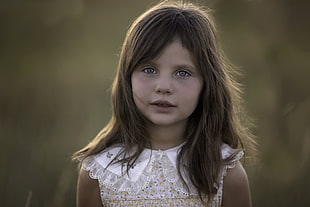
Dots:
pixel 163 103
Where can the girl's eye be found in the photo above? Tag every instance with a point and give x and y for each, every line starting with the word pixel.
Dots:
pixel 183 73
pixel 149 70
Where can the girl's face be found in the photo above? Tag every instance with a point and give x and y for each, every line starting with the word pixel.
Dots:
pixel 166 90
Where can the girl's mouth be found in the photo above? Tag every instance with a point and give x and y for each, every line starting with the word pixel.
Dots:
pixel 162 103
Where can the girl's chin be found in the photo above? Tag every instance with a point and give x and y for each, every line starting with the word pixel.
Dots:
pixel 166 123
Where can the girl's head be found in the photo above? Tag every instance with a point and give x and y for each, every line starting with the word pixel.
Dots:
pixel 145 41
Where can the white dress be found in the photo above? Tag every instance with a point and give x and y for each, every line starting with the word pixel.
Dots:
pixel 152 181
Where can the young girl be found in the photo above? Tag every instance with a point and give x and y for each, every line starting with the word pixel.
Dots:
pixel 175 136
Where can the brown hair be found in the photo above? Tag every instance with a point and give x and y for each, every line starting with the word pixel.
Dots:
pixel 216 119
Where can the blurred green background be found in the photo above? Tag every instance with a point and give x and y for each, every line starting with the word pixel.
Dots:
pixel 57 61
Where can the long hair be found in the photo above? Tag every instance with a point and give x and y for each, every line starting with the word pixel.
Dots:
pixel 216 119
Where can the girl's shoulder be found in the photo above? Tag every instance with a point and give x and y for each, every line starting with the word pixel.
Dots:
pixel 234 184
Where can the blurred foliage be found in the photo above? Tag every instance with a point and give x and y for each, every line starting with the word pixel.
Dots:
pixel 57 61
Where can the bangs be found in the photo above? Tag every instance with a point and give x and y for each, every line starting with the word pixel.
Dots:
pixel 157 29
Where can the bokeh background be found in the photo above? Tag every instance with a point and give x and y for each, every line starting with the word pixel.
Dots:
pixel 57 61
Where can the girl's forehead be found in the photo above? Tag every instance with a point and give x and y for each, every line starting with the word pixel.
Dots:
pixel 158 53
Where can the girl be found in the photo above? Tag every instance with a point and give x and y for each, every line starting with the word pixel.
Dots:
pixel 174 138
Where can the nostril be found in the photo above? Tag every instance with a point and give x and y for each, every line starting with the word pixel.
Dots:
pixel 163 90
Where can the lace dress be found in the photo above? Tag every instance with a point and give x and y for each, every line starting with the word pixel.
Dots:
pixel 152 181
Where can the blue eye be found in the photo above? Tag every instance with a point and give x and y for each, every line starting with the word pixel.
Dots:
pixel 183 73
pixel 149 70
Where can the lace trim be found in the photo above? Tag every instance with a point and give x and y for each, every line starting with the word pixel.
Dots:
pixel 120 183
pixel 233 162
pixel 109 179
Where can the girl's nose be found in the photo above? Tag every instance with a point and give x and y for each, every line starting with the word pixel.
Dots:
pixel 164 86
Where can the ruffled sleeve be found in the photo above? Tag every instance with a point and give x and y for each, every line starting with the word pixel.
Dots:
pixel 230 157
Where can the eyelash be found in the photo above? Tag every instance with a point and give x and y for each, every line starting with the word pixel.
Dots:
pixel 147 70
pixel 187 74
pixel 150 70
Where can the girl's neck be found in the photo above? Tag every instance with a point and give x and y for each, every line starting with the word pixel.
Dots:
pixel 166 137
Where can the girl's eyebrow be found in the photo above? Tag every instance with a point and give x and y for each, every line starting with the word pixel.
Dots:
pixel 147 63
pixel 186 66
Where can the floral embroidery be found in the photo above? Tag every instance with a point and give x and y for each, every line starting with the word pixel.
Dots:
pixel 110 155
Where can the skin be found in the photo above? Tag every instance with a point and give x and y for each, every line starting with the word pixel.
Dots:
pixel 171 77
pixel 236 190
pixel 88 192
